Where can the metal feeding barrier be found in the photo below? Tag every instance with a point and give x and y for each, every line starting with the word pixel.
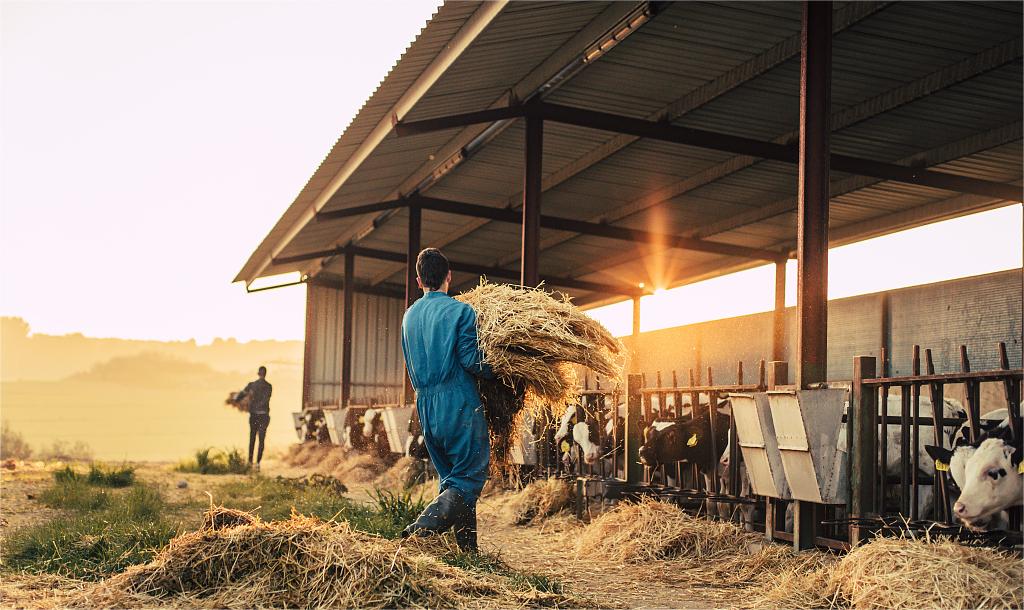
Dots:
pixel 873 423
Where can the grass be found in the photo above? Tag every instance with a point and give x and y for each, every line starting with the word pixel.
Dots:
pixel 106 532
pixel 99 475
pixel 493 564
pixel 215 461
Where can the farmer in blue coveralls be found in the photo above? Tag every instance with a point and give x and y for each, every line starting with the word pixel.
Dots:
pixel 442 357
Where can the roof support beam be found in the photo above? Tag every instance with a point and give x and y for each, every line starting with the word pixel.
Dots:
pixel 510 274
pixel 359 210
pixel 767 150
pixel 491 115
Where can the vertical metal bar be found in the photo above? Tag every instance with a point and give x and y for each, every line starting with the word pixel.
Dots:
pixel 885 338
pixel 761 383
pixel 530 270
pixel 739 373
pixel 307 349
pixel 973 409
pixel 916 441
pixel 779 314
pixel 348 293
pixel 634 469
pixel 864 410
pixel 883 439
pixel 812 221
pixel 905 450
pixel 636 316
pixel 775 513
pixel 938 408
pixel 813 193
pixel 677 397
pixel 1011 394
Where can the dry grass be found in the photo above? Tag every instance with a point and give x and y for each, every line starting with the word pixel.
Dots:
pixel 538 500
pixel 310 454
pixel 532 341
pixel 220 517
pixel 905 573
pixel 306 563
pixel 403 474
pixel 359 468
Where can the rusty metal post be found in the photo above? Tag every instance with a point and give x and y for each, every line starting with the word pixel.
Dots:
pixel 307 350
pixel 863 411
pixel 634 469
pixel 635 355
pixel 348 291
pixel 530 271
pixel 812 222
pixel 412 291
pixel 779 315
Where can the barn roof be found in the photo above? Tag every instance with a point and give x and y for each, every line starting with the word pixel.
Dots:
pixel 932 86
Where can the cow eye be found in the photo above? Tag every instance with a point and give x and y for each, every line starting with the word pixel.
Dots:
pixel 995 473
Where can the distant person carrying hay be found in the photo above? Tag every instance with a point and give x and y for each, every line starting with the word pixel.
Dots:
pixel 258 392
pixel 442 355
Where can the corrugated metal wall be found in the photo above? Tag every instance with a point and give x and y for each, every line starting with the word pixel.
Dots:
pixel 377 369
pixel 978 312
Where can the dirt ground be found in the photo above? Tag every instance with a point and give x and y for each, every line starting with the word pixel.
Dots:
pixel 546 548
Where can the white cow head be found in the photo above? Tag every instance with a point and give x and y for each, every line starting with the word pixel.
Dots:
pixel 581 434
pixel 368 418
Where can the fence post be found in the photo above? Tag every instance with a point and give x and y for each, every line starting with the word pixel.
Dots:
pixel 634 469
pixel 862 449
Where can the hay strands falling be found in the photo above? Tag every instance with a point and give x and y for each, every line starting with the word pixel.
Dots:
pixel 532 341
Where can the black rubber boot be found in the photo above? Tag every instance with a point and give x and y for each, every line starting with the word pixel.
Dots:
pixel 442 514
pixel 465 532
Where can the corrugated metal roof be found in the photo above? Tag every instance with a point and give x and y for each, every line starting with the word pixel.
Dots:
pixel 929 83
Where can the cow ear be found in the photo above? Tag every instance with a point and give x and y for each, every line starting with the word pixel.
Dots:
pixel 650 433
pixel 941 456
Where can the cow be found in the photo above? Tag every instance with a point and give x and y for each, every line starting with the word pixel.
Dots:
pixel 988 472
pixel 415 446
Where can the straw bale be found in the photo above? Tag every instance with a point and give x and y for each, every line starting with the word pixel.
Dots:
pixel 306 563
pixel 538 500
pixel 532 341
pixel 651 529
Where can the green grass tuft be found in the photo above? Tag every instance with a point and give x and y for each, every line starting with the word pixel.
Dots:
pixel 122 476
pixel 215 461
pixel 75 494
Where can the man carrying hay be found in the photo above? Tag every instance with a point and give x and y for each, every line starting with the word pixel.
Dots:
pixel 258 392
pixel 442 356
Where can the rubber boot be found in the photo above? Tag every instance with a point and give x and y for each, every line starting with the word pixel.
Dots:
pixel 465 531
pixel 445 511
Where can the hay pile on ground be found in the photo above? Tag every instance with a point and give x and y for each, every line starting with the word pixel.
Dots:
pixel 220 517
pixel 532 340
pixel 310 454
pixel 406 473
pixel 359 468
pixel 651 529
pixel 539 499
pixel 305 563
pixel 907 573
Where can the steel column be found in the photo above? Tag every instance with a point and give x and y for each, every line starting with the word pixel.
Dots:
pixel 530 270
pixel 307 350
pixel 863 451
pixel 348 291
pixel 412 250
pixel 633 440
pixel 636 317
pixel 812 222
pixel 779 316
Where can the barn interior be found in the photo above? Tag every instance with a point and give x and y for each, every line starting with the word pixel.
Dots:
pixel 608 149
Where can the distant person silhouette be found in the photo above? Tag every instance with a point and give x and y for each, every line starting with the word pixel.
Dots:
pixel 258 393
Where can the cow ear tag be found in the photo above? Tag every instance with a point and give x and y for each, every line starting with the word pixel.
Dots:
pixel 1020 468
pixel 940 466
pixel 692 442
pixel 565 447
pixel 362 419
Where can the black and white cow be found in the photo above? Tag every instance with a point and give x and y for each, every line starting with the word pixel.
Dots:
pixel 988 472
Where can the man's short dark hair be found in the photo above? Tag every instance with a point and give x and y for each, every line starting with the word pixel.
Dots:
pixel 431 268
pixel 262 372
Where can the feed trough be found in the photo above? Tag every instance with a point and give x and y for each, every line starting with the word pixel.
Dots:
pixel 335 419
pixel 759 445
pixel 396 424
pixel 808 429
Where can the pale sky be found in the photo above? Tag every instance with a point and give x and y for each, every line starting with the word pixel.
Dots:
pixel 146 148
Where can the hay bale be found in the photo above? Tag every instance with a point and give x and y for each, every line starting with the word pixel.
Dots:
pixel 906 573
pixel 538 500
pixel 305 563
pixel 532 341
pixel 651 529
pixel 219 517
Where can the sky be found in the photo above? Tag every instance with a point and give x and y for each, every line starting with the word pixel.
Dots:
pixel 146 148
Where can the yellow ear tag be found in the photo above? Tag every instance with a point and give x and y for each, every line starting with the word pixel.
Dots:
pixel 362 419
pixel 565 447
pixel 940 466
pixel 692 442
pixel 1020 468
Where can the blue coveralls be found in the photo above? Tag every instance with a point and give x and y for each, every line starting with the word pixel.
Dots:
pixel 441 354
